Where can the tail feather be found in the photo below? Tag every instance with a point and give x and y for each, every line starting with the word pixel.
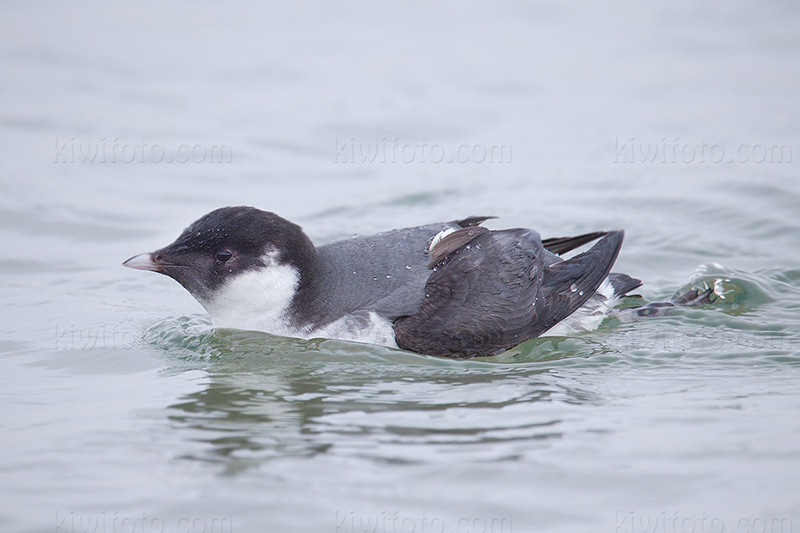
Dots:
pixel 622 284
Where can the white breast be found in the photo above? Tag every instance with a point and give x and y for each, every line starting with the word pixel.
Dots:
pixel 361 326
pixel 260 301
pixel 256 300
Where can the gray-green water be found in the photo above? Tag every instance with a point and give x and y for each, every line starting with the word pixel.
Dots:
pixel 122 410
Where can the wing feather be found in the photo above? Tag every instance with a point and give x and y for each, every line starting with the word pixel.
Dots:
pixel 561 245
pixel 494 291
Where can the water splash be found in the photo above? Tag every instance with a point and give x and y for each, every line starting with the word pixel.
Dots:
pixel 732 291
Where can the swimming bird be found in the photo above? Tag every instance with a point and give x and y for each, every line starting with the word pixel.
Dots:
pixel 452 289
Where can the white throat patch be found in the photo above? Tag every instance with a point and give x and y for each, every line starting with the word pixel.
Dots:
pixel 256 300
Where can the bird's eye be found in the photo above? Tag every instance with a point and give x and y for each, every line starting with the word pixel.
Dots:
pixel 222 257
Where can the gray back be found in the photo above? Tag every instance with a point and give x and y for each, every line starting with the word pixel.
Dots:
pixel 385 273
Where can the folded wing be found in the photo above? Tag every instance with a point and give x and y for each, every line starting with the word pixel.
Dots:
pixel 491 290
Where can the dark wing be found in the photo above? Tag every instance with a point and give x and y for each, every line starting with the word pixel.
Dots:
pixel 478 299
pixel 560 245
pixel 568 284
pixel 495 291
